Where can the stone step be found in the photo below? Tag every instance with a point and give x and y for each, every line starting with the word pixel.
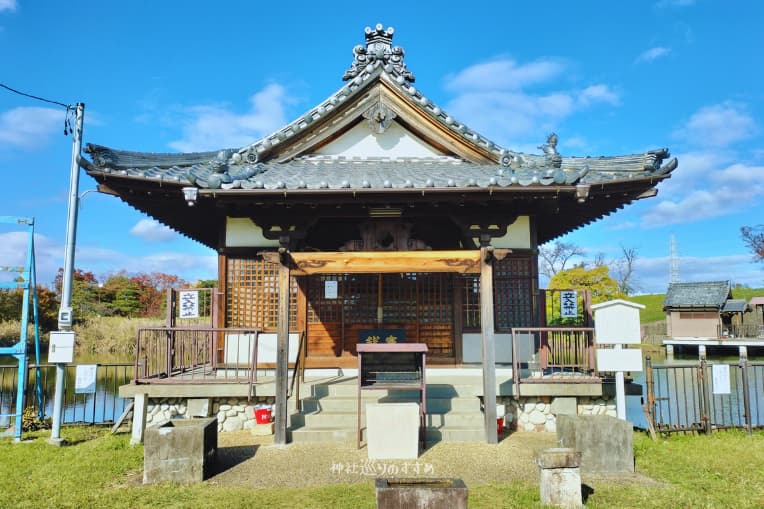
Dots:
pixel 349 419
pixel 455 434
pixel 346 403
pixel 338 434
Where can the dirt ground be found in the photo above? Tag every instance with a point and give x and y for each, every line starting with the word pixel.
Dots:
pixel 252 461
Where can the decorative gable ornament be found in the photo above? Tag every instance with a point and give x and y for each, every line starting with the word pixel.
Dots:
pixel 380 116
pixel 379 48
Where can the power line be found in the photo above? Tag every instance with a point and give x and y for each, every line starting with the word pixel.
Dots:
pixel 67 106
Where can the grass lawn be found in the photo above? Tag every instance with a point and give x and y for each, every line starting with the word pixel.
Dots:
pixel 97 469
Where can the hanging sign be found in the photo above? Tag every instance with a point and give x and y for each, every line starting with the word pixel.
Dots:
pixel 382 336
pixel 189 304
pixel 330 289
pixel 85 379
pixel 568 304
pixel 721 378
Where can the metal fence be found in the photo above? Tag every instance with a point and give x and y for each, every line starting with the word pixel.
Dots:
pixel 703 397
pixel 101 406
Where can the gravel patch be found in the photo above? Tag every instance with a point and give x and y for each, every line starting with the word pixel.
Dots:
pixel 251 461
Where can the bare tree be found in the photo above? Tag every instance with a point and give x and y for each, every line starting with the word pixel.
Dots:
pixel 753 237
pixel 554 258
pixel 623 270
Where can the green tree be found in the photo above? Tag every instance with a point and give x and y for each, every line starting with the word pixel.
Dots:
pixel 86 294
pixel 121 295
pixel 597 280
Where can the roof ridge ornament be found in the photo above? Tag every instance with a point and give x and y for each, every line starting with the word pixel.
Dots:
pixel 379 48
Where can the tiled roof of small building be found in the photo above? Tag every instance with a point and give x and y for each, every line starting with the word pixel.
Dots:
pixel 735 306
pixel 709 294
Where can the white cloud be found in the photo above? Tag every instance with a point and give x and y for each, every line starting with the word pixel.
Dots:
pixel 491 98
pixel 652 54
pixel 150 230
pixel 213 126
pixel 8 5
pixel 719 125
pixel 732 189
pixel 29 127
pixel 503 74
pixel 652 274
pixel 183 264
pixel 14 246
pixel 598 94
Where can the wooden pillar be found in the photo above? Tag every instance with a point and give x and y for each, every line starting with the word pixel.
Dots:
pixel 282 353
pixel 489 350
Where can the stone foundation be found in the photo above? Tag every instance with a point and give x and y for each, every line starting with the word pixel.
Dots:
pixel 535 414
pixel 233 414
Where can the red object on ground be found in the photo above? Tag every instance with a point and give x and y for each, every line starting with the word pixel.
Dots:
pixel 263 415
pixel 499 425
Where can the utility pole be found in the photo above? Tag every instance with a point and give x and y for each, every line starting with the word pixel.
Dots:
pixel 65 311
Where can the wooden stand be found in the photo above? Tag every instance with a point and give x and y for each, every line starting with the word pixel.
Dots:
pixel 393 367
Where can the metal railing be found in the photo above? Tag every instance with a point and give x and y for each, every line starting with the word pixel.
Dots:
pixel 204 355
pixel 100 405
pixel 742 331
pixel 703 397
pixel 557 354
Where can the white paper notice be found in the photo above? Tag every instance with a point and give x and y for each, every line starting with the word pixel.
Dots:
pixel 330 289
pixel 721 378
pixel 85 379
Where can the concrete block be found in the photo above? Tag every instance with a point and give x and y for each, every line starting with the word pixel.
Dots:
pixel 421 493
pixel 392 430
pixel 181 451
pixel 564 406
pixel 606 443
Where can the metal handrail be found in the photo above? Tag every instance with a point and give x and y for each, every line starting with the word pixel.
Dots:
pixel 548 355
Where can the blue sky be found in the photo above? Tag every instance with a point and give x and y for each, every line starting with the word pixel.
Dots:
pixel 608 77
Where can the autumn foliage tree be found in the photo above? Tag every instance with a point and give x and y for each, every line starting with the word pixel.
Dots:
pixel 120 293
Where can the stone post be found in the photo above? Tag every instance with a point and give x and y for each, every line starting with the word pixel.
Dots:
pixel 560 478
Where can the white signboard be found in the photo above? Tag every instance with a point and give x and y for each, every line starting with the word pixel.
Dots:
pixel 85 380
pixel 189 304
pixel 617 322
pixel 613 359
pixel 568 304
pixel 330 289
pixel 721 378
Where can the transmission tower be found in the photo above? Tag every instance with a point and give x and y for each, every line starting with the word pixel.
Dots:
pixel 673 262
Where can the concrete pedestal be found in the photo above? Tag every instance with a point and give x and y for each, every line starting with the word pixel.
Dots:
pixel 560 478
pixel 181 451
pixel 392 430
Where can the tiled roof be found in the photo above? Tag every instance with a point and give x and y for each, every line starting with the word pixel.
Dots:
pixel 250 168
pixel 330 172
pixel 710 294
pixel 735 306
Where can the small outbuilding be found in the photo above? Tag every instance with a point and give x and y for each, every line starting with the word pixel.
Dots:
pixel 703 310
